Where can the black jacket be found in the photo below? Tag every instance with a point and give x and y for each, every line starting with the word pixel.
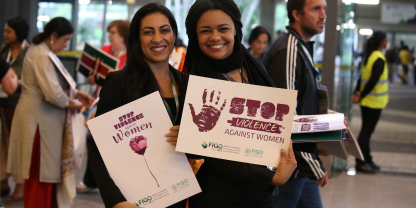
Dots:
pixel 290 68
pixel 112 96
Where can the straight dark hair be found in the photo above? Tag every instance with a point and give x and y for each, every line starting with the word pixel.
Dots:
pixel 20 27
pixel 373 44
pixel 195 12
pixel 256 32
pixel 59 25
pixel 294 5
pixel 139 78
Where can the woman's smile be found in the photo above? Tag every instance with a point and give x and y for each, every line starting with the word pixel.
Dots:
pixel 216 31
pixel 217 47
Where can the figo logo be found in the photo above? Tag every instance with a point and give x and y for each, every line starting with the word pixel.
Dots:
pixel 253 153
pixel 144 201
pixel 180 185
pixel 215 145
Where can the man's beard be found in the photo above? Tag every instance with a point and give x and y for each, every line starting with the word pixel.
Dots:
pixel 311 30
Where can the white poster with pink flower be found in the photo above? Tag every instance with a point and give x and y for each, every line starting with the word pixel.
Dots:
pixel 235 121
pixel 147 169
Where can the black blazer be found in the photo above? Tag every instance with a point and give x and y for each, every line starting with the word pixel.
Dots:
pixel 113 96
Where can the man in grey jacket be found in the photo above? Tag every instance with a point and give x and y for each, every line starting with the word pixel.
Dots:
pixel 290 65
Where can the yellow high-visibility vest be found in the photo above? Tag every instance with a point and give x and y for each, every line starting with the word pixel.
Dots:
pixel 378 97
pixel 404 56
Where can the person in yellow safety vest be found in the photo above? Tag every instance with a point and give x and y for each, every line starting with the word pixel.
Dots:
pixel 404 56
pixel 372 95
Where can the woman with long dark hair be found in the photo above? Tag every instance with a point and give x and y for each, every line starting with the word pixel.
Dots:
pixel 215 51
pixel 372 95
pixel 259 40
pixel 39 131
pixel 13 50
pixel 152 36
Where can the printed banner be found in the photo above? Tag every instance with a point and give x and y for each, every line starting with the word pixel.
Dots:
pixel 96 61
pixel 147 169
pixel 398 13
pixel 236 121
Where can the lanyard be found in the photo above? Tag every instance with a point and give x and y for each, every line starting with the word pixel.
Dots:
pixel 175 96
pixel 121 53
pixel 318 79
pixel 232 80
pixel 9 56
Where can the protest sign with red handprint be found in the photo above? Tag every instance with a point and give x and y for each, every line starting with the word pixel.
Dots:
pixel 232 117
pixel 209 115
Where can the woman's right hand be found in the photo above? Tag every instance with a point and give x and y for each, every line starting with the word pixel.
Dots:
pixel 74 105
pixel 285 168
pixel 126 204
pixel 91 79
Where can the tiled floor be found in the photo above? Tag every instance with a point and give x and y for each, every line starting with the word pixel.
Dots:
pixel 370 191
pixel 393 148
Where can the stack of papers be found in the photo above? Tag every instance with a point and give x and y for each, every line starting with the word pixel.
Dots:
pixel 327 129
pixel 318 128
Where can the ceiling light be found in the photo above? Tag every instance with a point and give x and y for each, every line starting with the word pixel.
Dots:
pixel 366 31
pixel 84 1
pixel 372 2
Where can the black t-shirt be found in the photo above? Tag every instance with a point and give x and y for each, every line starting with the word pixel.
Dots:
pixel 4 67
pixel 172 105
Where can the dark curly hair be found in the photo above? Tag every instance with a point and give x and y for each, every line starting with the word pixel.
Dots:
pixel 195 12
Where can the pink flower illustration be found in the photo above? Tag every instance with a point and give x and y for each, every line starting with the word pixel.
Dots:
pixel 139 146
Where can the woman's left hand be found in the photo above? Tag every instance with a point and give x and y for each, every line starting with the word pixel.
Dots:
pixel 173 135
pixel 85 99
pixel 286 166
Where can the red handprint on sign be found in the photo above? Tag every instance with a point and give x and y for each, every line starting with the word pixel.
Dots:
pixel 209 115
